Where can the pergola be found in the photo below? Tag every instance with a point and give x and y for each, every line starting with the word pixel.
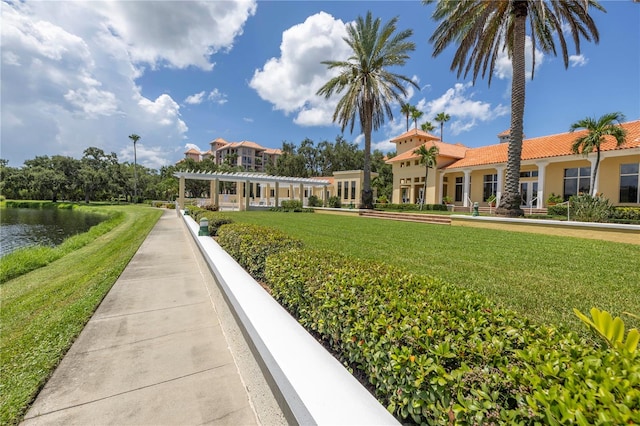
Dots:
pixel 249 178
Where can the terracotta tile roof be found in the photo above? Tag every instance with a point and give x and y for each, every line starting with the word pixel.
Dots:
pixel 415 132
pixel 544 147
pixel 192 151
pixel 273 151
pixel 219 140
pixel 329 179
pixel 505 133
pixel 444 150
pixel 245 144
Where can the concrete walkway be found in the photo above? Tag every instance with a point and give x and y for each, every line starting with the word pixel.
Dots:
pixel 154 352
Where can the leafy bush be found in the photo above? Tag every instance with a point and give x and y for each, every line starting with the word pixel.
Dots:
pixel 334 202
pixel 437 354
pixel 314 201
pixel 412 207
pixel 250 245
pixel 557 210
pixel 211 207
pixel 215 218
pixel 626 215
pixel 587 208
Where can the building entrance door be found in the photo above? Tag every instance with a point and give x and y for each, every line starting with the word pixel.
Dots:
pixel 529 192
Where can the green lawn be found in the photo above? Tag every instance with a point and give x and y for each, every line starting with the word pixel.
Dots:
pixel 44 311
pixel 539 276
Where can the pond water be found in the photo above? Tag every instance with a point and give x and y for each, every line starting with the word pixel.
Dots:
pixel 48 227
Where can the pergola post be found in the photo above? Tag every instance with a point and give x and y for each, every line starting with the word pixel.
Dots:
pixel 240 194
pixel 181 186
pixel 216 192
pixel 277 194
pixel 301 194
pixel 247 195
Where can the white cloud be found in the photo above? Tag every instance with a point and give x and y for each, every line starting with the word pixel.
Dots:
pixel 578 60
pixel 247 119
pixel 195 99
pixel 466 113
pixel 69 72
pixel 218 97
pixel 159 32
pixel 291 81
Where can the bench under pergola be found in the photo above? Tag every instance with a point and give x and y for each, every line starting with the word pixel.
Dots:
pixel 249 178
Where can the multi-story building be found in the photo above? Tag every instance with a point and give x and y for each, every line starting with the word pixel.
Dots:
pixel 548 165
pixel 248 155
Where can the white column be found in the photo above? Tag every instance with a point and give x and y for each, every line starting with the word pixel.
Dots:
pixel 215 188
pixel 500 184
pixel 301 194
pixel 440 186
pixel 181 186
pixel 247 195
pixel 277 194
pixel 467 188
pixel 542 167
pixel 268 192
pixel 595 181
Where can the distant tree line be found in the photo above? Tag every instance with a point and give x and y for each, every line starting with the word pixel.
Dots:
pixel 99 176
pixel 309 160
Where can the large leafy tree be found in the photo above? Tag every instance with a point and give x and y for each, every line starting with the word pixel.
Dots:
pixel 482 30
pixel 442 118
pixel 368 84
pixel 597 130
pixel 428 158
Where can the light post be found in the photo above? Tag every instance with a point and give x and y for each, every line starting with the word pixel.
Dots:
pixel 135 139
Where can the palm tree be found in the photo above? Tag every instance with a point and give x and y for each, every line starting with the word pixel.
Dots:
pixel 596 132
pixel 415 115
pixel 427 126
pixel 370 87
pixel 428 159
pixel 442 118
pixel 406 109
pixel 485 29
pixel 135 138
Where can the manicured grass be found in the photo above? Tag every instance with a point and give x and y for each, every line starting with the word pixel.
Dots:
pixel 541 277
pixel 43 311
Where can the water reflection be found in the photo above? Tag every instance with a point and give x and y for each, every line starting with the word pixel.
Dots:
pixel 49 227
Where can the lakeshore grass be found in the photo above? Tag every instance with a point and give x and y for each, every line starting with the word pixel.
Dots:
pixel 43 311
pixel 541 277
pixel 27 259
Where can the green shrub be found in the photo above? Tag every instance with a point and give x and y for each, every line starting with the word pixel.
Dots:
pixel 587 208
pixel 557 210
pixel 250 245
pixel 438 354
pixel 314 201
pixel 291 205
pixel 412 207
pixel 334 202
pixel 622 214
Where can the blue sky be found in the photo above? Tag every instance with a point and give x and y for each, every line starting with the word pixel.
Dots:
pixel 80 74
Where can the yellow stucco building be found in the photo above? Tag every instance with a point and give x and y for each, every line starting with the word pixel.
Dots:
pixel 467 175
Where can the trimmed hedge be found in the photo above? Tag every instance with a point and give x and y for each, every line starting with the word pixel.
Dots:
pixel 216 219
pixel 250 245
pixel 411 207
pixel 437 354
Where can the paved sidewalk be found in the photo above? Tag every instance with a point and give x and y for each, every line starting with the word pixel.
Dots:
pixel 154 352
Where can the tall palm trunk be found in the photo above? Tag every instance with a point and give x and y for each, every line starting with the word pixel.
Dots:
pixel 367 194
pixel 511 200
pixel 424 187
pixel 595 173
